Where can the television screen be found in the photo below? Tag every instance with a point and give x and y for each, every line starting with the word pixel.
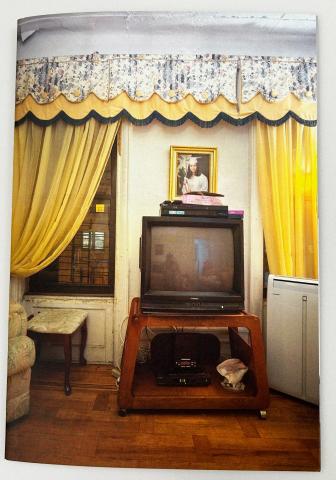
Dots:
pixel 191 260
pixel 192 264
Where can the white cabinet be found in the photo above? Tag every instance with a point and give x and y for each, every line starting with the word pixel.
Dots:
pixel 292 332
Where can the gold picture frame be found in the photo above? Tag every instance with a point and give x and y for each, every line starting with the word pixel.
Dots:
pixel 192 169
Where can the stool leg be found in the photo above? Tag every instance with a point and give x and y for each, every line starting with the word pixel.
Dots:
pixel 82 359
pixel 67 363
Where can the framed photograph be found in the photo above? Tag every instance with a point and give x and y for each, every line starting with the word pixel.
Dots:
pixel 192 169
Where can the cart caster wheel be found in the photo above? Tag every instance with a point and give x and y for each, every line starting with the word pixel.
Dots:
pixel 262 414
pixel 122 412
pixel 67 389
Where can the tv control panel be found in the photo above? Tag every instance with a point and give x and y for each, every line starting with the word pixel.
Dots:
pixel 192 307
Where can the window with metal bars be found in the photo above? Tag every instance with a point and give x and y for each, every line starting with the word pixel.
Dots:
pixel 86 266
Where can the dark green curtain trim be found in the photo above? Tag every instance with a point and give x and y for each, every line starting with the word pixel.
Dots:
pixel 170 123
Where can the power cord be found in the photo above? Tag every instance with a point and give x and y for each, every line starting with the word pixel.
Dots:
pixel 122 338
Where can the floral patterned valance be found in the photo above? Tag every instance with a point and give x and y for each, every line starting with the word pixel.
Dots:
pixel 171 77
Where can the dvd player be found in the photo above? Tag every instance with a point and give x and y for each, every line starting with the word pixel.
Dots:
pixel 178 208
pixel 183 379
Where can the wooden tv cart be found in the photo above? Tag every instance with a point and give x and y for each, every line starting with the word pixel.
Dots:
pixel 138 388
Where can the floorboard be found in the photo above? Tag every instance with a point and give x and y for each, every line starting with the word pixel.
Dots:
pixel 85 429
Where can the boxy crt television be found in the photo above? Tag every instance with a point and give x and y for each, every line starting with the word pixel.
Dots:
pixel 192 264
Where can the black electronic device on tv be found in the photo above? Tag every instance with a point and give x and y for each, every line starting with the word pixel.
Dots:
pixel 192 265
pixel 179 209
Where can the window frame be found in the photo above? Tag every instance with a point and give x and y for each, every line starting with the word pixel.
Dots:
pixel 72 289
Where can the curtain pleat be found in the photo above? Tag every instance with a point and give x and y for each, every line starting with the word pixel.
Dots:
pixel 287 173
pixel 57 170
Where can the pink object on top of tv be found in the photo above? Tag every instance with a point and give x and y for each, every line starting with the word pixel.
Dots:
pixel 203 198
pixel 236 212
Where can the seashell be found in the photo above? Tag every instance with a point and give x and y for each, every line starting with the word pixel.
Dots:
pixel 232 370
pixel 229 386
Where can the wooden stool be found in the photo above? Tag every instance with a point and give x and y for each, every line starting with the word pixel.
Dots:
pixel 60 324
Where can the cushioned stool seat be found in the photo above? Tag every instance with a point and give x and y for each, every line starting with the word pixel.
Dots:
pixel 60 323
pixel 57 320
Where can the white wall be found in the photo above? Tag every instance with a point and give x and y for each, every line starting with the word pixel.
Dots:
pixel 143 183
pixel 148 180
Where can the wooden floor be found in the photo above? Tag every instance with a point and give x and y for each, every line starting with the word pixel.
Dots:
pixel 85 429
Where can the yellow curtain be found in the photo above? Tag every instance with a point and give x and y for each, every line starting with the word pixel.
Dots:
pixel 57 170
pixel 173 112
pixel 287 172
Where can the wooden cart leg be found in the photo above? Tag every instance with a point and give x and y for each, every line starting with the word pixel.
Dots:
pixel 128 362
pixel 254 357
pixel 67 363
pixel 82 359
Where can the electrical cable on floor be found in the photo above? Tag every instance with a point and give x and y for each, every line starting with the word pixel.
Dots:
pixel 116 369
pixel 122 339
